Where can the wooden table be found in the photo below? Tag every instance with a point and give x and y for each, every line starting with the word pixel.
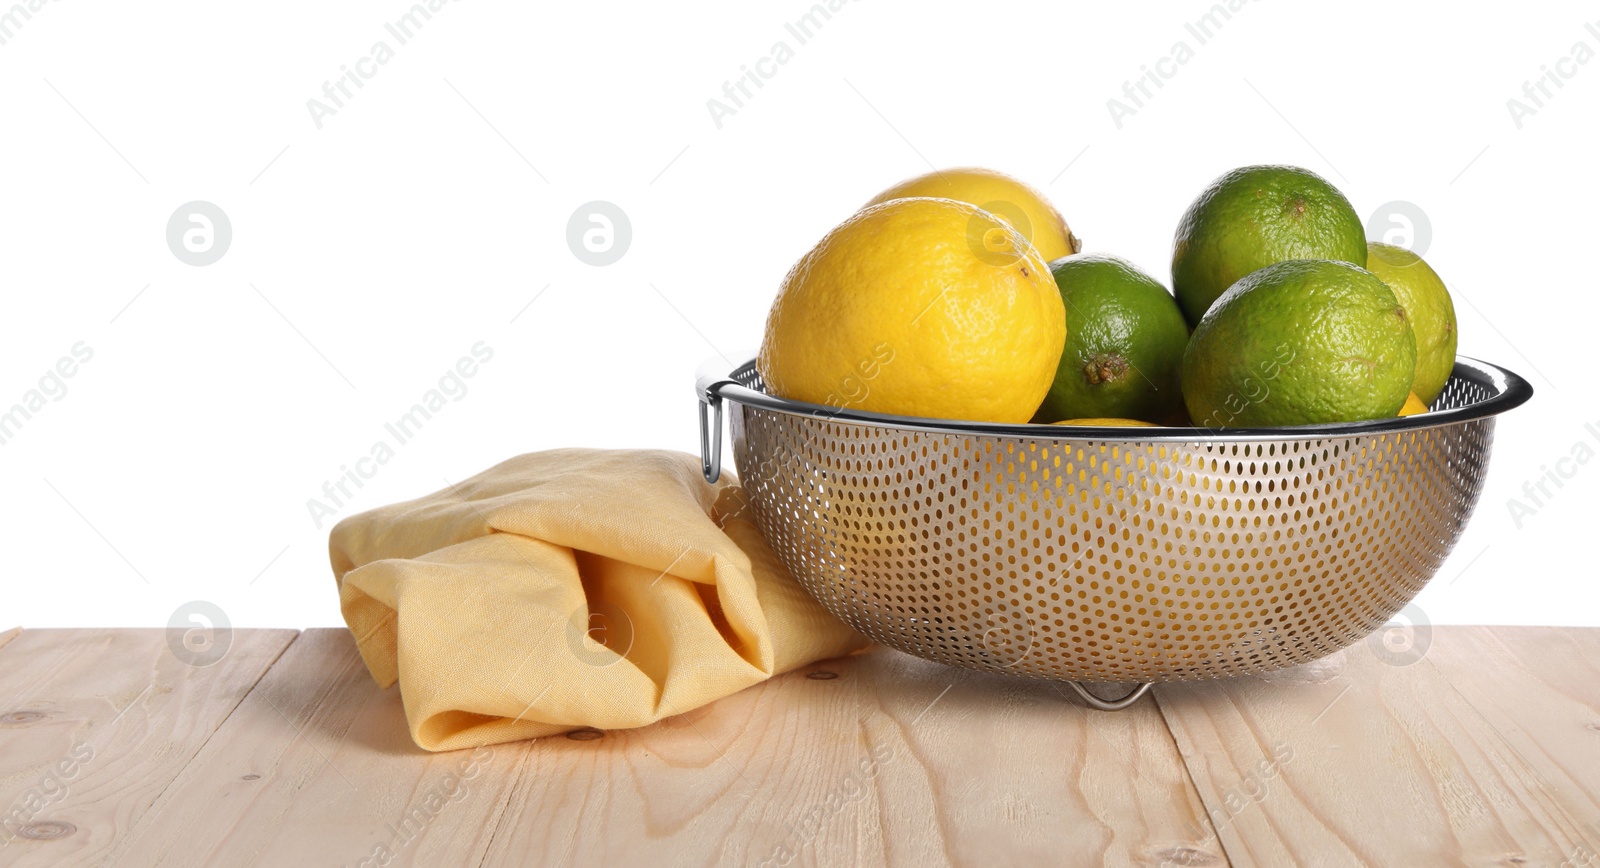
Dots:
pixel 1484 751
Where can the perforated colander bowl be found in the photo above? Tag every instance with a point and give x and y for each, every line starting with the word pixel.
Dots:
pixel 1108 554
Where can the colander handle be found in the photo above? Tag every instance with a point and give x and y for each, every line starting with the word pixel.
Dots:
pixel 711 435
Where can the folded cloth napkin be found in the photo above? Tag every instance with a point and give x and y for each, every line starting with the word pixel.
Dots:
pixel 567 589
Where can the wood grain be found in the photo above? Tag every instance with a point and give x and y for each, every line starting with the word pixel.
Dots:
pixel 94 724
pixel 895 761
pixel 1540 689
pixel 317 767
pixel 1486 750
pixel 1356 761
pixel 8 635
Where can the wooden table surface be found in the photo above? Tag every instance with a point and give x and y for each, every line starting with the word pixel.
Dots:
pixel 1485 751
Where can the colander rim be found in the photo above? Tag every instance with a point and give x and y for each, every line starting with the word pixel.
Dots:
pixel 716 381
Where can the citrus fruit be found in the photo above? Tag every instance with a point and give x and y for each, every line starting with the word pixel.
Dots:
pixel 1433 315
pixel 894 312
pixel 1253 217
pixel 1125 339
pixel 1302 342
pixel 1108 423
pixel 1023 207
pixel 1413 406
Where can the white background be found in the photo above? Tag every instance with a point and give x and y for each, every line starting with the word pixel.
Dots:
pixel 429 211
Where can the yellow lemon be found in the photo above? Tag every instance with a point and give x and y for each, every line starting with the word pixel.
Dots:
pixel 918 307
pixel 1412 406
pixel 1001 195
pixel 1108 423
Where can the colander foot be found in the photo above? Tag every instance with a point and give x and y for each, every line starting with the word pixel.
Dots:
pixel 1110 704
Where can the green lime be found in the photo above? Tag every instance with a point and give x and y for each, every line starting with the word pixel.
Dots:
pixel 1303 342
pixel 1433 315
pixel 1108 423
pixel 1253 217
pixel 1125 339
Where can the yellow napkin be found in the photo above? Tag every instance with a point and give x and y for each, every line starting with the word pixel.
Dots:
pixel 567 589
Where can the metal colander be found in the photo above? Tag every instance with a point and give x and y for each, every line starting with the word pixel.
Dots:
pixel 1108 554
